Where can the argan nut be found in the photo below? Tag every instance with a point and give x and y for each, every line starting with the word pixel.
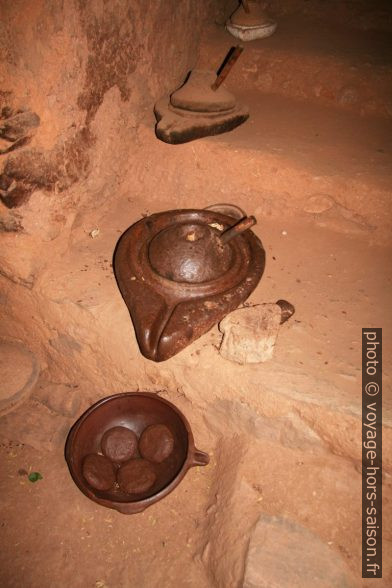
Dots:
pixel 119 444
pixel 156 443
pixel 136 476
pixel 98 471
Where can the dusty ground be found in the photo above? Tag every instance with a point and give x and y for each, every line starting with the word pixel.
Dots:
pixel 284 437
pixel 265 458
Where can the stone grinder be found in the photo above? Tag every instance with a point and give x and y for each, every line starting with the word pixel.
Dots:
pixel 181 271
pixel 201 107
pixel 250 21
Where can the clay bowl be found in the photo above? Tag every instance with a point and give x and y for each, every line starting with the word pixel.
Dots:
pixel 135 410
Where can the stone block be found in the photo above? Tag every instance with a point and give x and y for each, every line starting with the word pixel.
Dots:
pixel 283 554
pixel 249 334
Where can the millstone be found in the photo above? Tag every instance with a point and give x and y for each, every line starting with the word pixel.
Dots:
pixel 179 276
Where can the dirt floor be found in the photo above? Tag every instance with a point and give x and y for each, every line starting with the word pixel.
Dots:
pixel 286 441
pixel 283 436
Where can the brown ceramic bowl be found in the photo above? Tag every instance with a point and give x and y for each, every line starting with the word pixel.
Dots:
pixel 135 410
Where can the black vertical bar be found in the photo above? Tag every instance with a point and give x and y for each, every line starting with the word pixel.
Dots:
pixel 371 453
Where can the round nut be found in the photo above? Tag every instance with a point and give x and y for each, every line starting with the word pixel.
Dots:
pixel 119 444
pixel 136 476
pixel 156 443
pixel 98 471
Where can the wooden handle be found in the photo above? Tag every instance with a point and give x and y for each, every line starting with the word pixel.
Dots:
pixel 227 67
pixel 238 228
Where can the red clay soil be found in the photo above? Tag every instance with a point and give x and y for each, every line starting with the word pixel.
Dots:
pixel 314 165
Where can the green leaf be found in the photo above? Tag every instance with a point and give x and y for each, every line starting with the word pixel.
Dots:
pixel 35 476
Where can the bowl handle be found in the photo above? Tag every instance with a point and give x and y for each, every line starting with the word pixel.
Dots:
pixel 130 508
pixel 200 458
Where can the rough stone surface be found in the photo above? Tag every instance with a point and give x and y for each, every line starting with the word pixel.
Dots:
pixel 290 431
pixel 249 334
pixel 283 554
pixel 97 48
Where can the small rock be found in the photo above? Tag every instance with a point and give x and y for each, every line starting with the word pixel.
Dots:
pixel 319 203
pixel 287 310
pixel 283 554
pixel 249 334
